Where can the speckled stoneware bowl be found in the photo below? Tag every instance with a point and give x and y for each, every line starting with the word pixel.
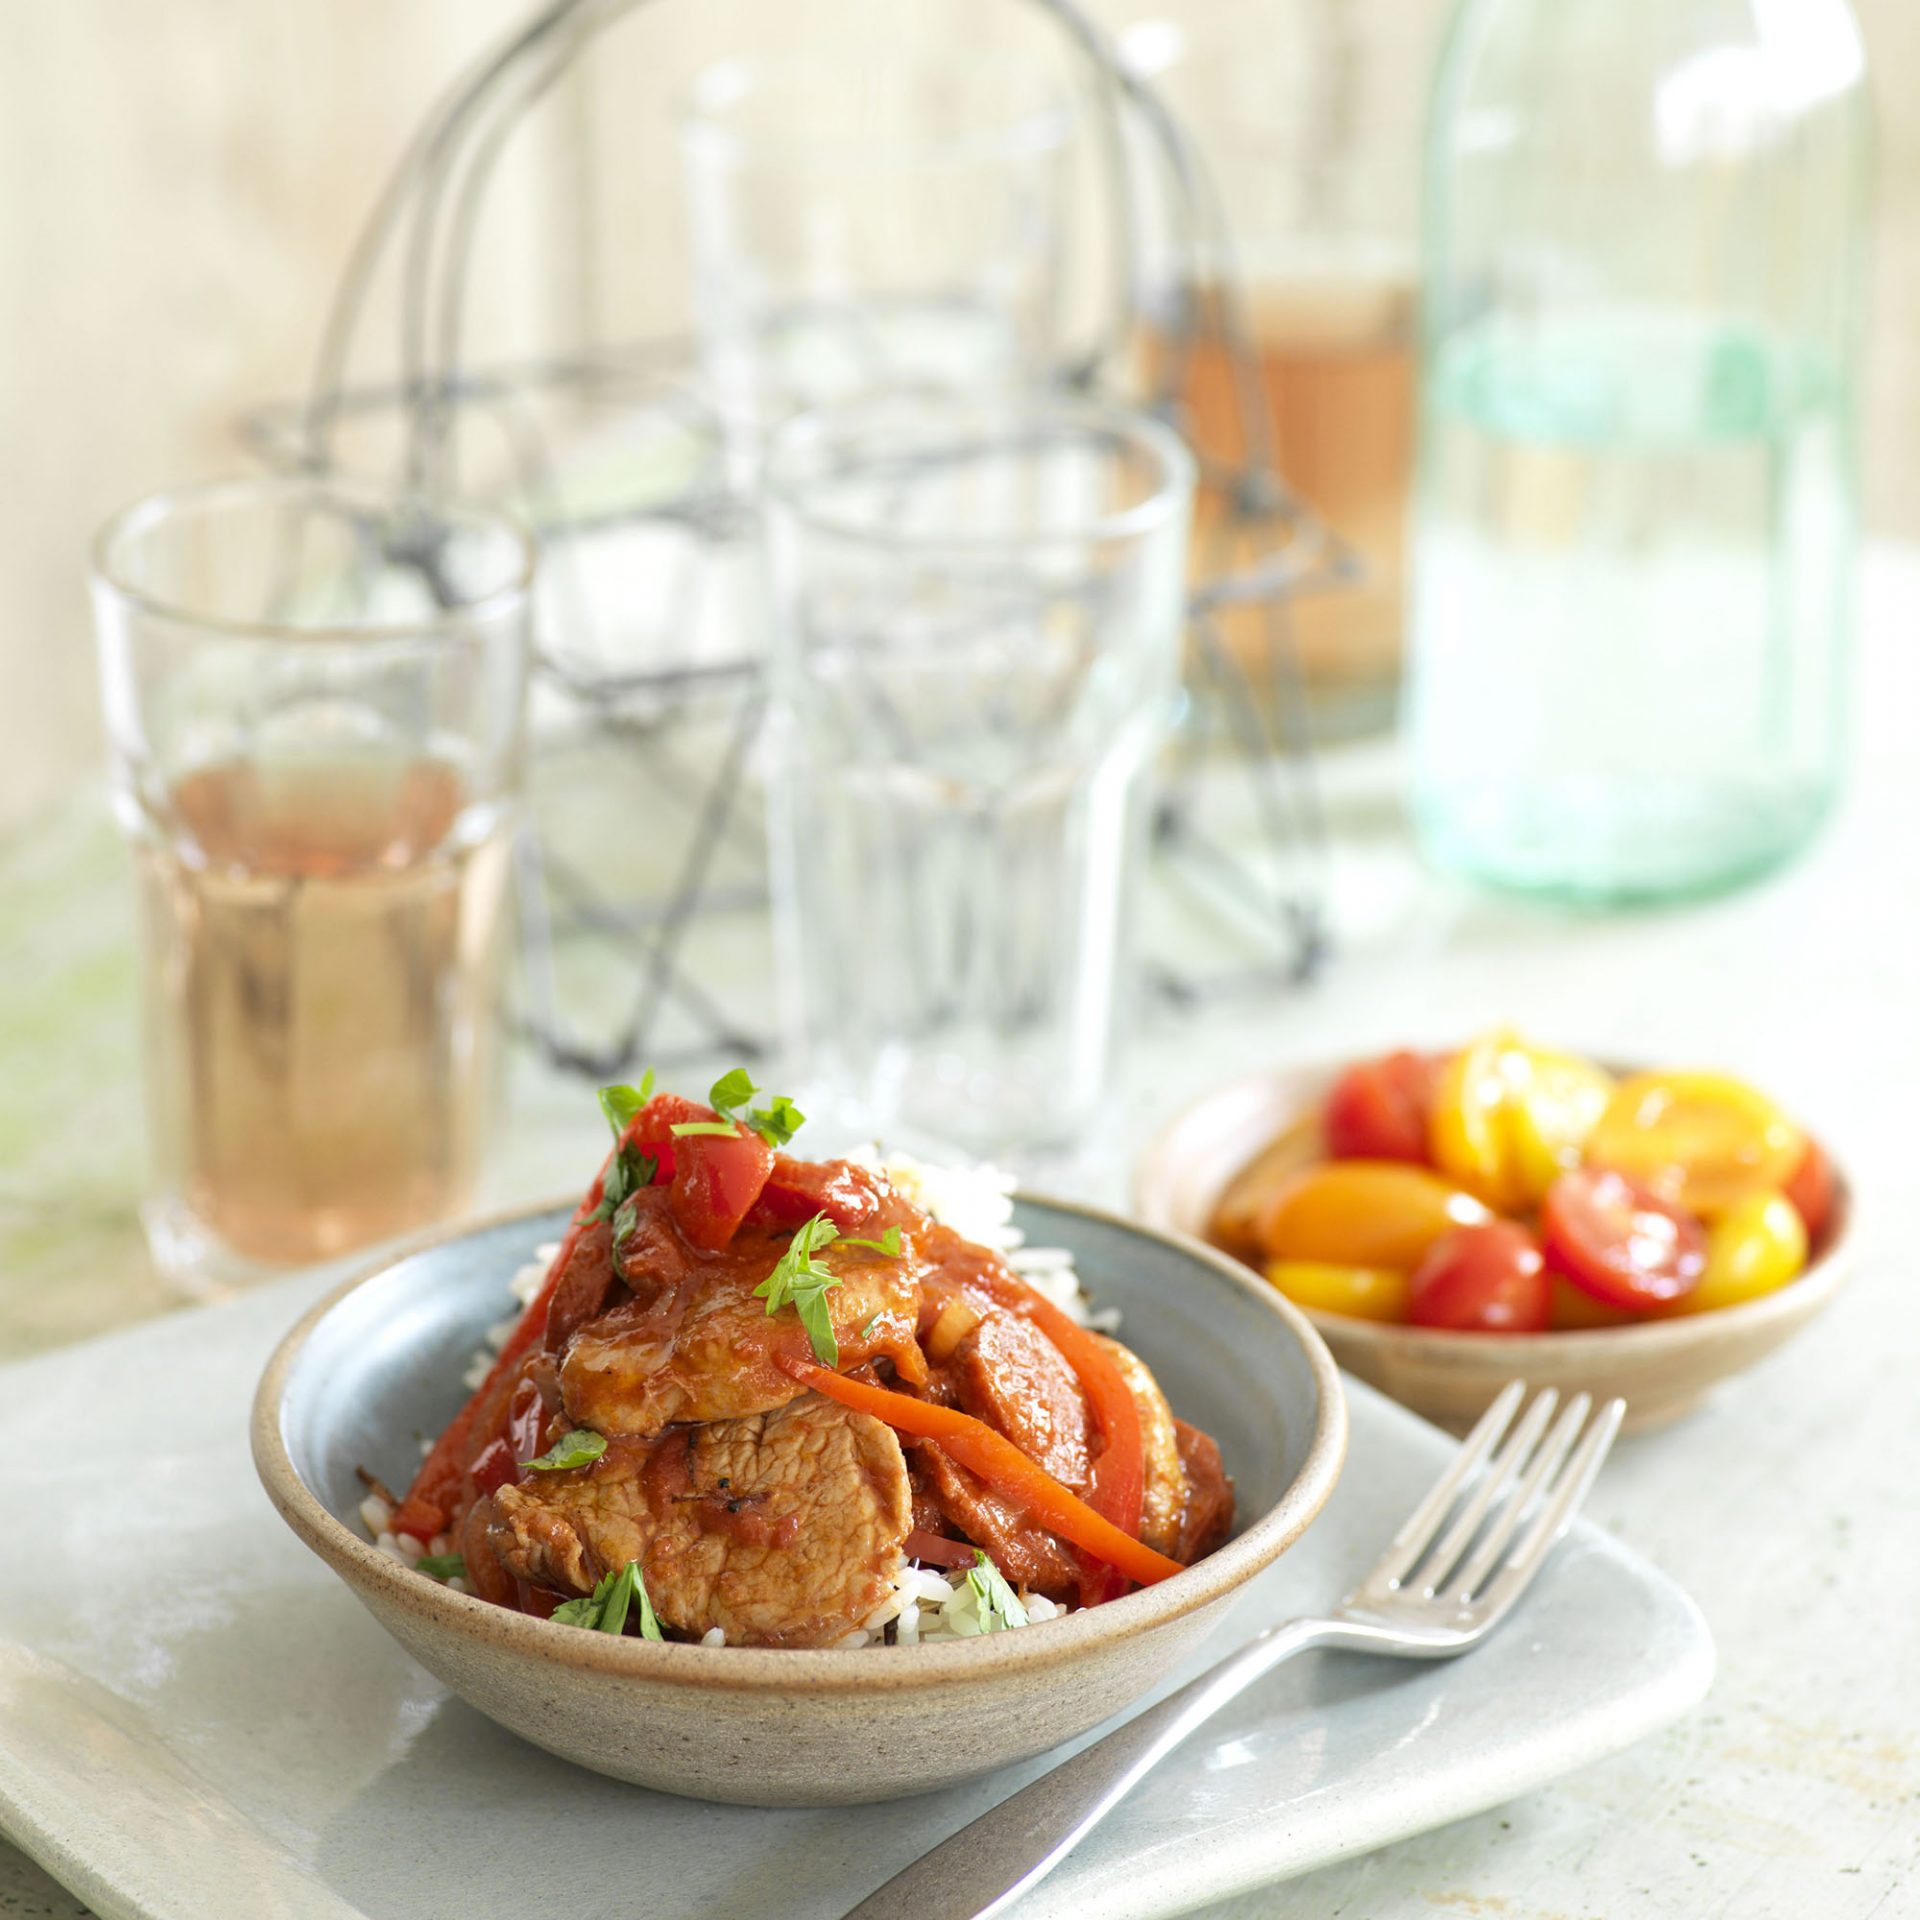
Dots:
pixel 1661 1368
pixel 378 1363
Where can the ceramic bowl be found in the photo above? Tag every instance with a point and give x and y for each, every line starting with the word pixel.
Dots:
pixel 1661 1368
pixel 379 1362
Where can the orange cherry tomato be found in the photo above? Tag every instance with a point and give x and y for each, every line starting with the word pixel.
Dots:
pixel 1363 1213
pixel 1810 1188
pixel 1483 1279
pixel 1379 1109
pixel 1620 1241
pixel 1702 1140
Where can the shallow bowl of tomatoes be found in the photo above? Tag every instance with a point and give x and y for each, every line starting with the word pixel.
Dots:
pixel 1449 1220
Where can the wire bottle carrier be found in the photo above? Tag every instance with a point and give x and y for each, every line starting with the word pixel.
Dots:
pixel 649 677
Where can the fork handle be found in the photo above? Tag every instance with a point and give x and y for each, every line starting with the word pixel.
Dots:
pixel 981 1870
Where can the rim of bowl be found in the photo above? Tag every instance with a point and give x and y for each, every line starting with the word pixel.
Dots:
pixel 755 1670
pixel 1807 1291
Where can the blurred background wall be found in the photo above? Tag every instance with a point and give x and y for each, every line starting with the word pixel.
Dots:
pixel 180 186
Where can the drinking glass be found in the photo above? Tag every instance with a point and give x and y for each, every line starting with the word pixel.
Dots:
pixel 1309 134
pixel 314 698
pixel 868 216
pixel 978 612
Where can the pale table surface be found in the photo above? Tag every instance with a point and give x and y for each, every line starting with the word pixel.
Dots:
pixel 1788 1507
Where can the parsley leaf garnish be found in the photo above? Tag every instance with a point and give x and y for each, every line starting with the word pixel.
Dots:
pixel 621 1103
pixel 731 1090
pixel 776 1123
pixel 580 1448
pixel 605 1609
pixel 799 1278
pixel 441 1566
pixel 631 1170
pixel 997 1604
pixel 626 1217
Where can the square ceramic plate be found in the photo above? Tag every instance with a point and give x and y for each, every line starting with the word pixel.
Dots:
pixel 196 1718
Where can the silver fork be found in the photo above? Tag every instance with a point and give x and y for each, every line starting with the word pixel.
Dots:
pixel 1420 1601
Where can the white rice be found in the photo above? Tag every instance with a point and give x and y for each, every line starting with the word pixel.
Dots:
pixel 924 1604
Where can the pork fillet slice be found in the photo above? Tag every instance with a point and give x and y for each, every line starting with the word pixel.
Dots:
pixel 784 1528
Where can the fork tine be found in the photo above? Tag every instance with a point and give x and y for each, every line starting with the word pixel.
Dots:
pixel 1506 1468
pixel 1545 1464
pixel 1419 1527
pixel 1527 1558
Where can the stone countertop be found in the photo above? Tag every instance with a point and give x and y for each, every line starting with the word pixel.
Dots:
pixel 1786 1507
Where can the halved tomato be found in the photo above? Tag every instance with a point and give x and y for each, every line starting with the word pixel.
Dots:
pixel 1703 1140
pixel 1361 1293
pixel 1363 1213
pixel 1620 1241
pixel 1482 1279
pixel 1379 1109
pixel 1509 1118
pixel 1754 1248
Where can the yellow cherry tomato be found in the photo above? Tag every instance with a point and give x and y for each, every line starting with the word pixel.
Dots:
pixel 1572 1309
pixel 1361 1293
pixel 1510 1118
pixel 1363 1213
pixel 1701 1140
pixel 1755 1247
pixel 1555 1106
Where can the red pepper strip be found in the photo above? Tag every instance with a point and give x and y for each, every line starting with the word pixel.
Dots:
pixel 1119 1475
pixel 997 1461
pixel 435 1491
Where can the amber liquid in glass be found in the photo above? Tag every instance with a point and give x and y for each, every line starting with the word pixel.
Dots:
pixel 322 985
pixel 1334 368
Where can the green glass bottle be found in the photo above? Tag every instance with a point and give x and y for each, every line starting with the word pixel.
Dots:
pixel 1635 504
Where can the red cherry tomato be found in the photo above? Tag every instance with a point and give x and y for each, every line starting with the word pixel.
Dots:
pixel 1485 1279
pixel 1811 1190
pixel 1620 1241
pixel 1377 1109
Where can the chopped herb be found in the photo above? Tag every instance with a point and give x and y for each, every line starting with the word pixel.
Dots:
pixel 776 1123
pixel 718 1129
pixel 621 1103
pixel 799 1278
pixel 731 1090
pixel 579 1448
pixel 626 1219
pixel 649 1620
pixel 605 1609
pixel 888 1243
pixel 871 1324
pixel 996 1603
pixel 631 1170
pixel 441 1566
